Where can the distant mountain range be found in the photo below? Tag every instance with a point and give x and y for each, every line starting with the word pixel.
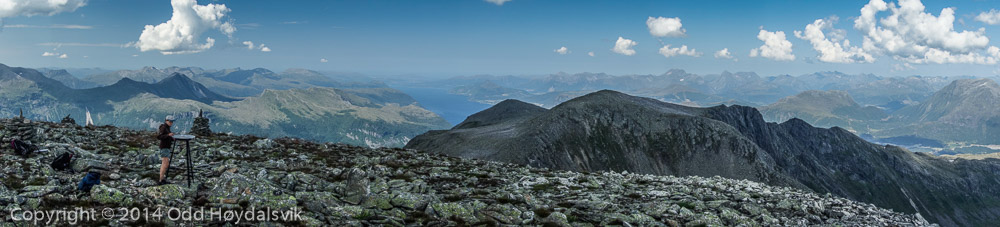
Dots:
pixel 608 130
pixel 230 82
pixel 66 78
pixel 964 113
pixel 679 86
pixel 823 108
pixel 489 92
pixel 362 116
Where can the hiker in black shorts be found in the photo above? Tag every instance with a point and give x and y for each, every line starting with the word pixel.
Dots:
pixel 166 139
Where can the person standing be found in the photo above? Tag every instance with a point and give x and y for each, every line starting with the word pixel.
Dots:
pixel 166 140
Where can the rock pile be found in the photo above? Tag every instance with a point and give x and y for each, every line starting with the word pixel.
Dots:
pixel 200 126
pixel 22 129
pixel 341 185
pixel 68 120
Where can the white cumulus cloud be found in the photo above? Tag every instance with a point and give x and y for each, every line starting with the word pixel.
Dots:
pixel 53 54
pixel 776 46
pixel 665 27
pixel 909 34
pixel 250 46
pixel 182 33
pixel 498 2
pixel 561 50
pixel 323 60
pixel 624 46
pixel 992 17
pixel 724 53
pixel 836 48
pixel 666 51
pixel 14 8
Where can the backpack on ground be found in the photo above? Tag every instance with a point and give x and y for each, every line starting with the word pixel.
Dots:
pixel 63 162
pixel 88 182
pixel 21 148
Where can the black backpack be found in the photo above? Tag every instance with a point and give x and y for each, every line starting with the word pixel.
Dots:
pixel 21 148
pixel 63 162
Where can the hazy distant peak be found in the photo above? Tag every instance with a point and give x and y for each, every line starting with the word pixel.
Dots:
pixel 820 97
pixel 675 72
pixel 301 71
pixel 975 83
pixel 126 80
pixel 176 78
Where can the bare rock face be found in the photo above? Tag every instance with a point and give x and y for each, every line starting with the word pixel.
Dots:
pixel 200 126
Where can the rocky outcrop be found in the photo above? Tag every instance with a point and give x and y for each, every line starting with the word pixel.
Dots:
pixel 341 185
pixel 611 131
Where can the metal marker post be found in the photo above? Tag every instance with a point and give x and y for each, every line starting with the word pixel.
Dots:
pixel 187 153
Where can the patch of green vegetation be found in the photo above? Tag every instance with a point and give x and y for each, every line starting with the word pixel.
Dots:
pixel 36 181
pixel 542 187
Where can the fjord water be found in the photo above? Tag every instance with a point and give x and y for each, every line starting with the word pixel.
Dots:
pixel 453 108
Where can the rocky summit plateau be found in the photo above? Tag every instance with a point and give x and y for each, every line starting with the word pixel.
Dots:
pixel 342 185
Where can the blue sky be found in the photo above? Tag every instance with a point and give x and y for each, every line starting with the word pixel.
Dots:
pixel 518 37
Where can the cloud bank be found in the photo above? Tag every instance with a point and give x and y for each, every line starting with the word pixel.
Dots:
pixel 836 48
pixel 910 35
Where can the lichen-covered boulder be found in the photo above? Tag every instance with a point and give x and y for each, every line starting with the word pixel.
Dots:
pixel 165 192
pixel 234 188
pixel 110 196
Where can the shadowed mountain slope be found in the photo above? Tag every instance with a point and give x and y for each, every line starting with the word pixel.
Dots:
pixel 607 130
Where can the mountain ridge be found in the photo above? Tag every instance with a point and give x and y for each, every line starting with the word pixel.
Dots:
pixel 609 130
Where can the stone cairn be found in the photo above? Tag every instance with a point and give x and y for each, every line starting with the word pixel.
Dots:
pixel 22 128
pixel 68 120
pixel 200 126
